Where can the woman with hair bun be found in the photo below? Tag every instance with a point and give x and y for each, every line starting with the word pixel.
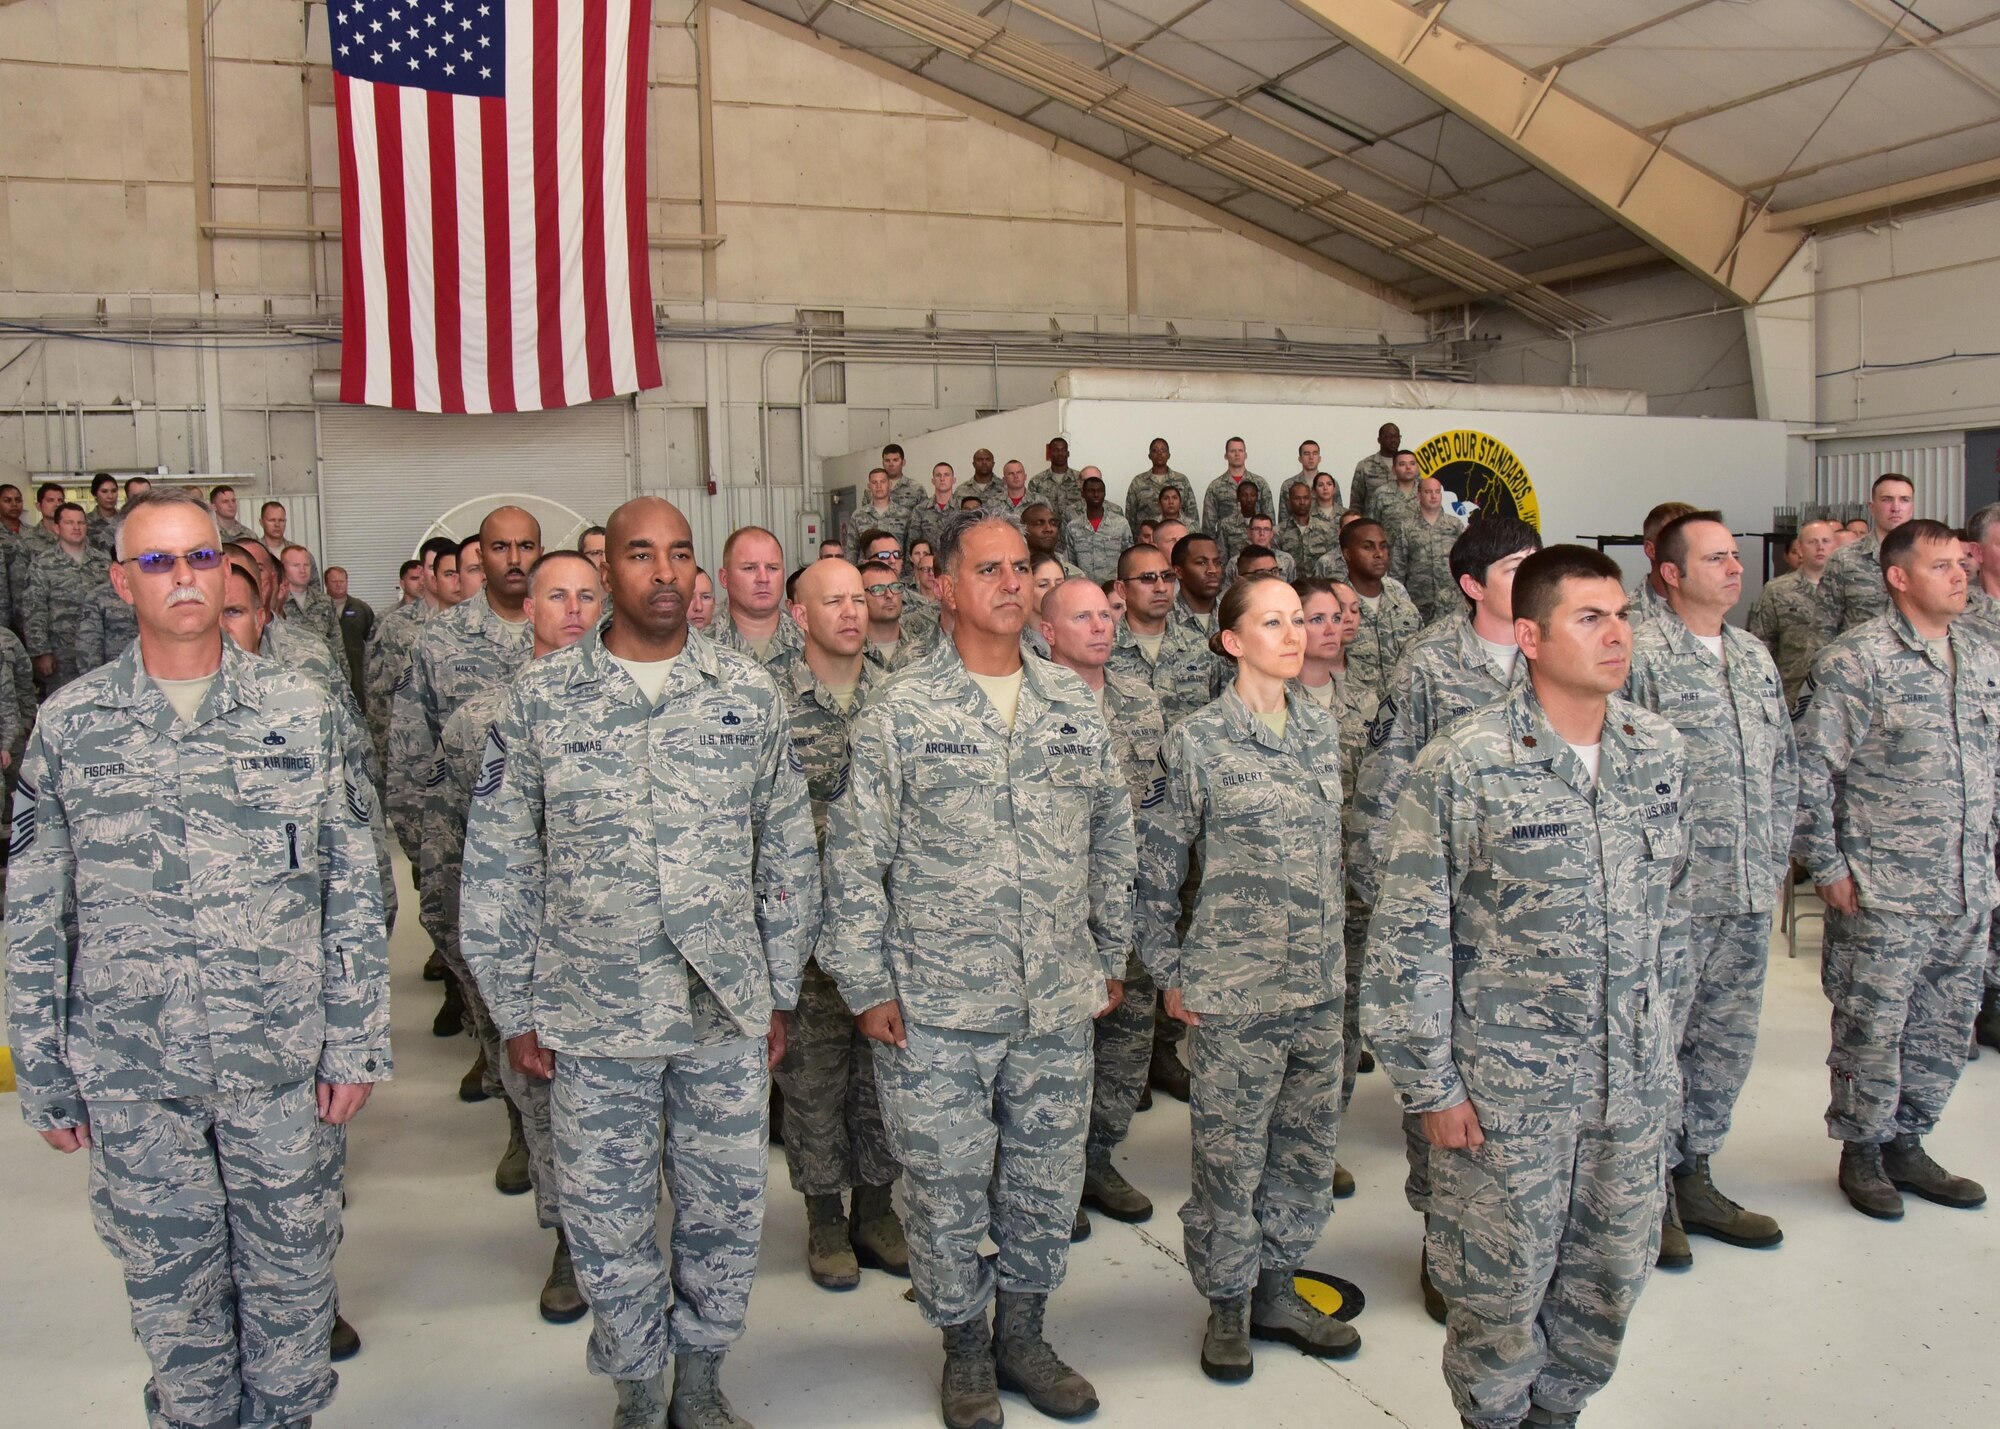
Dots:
pixel 1253 781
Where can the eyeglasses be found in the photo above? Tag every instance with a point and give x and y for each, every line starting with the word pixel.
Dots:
pixel 879 590
pixel 160 563
pixel 1154 578
pixel 887 553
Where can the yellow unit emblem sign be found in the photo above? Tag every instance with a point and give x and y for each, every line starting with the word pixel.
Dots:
pixel 1480 472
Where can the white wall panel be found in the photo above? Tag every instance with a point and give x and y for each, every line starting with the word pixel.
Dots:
pixel 387 476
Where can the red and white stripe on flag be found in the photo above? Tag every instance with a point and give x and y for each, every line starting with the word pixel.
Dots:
pixel 493 243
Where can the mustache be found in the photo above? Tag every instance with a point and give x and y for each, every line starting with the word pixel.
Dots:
pixel 185 595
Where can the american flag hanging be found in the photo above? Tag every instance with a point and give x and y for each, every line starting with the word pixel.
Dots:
pixel 493 202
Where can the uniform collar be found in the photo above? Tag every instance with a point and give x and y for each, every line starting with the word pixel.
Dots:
pixel 1242 724
pixel 130 687
pixel 1531 739
pixel 808 686
pixel 597 665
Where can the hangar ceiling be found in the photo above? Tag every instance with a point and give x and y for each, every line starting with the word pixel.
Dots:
pixel 1491 151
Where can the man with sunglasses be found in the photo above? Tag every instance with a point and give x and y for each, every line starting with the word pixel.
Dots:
pixel 59 584
pixel 1169 654
pixel 198 979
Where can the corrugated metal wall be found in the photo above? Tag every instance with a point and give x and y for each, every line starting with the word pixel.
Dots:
pixel 1933 461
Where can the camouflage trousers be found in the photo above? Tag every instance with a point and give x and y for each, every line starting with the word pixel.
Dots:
pixel 1540 1243
pixel 989 1128
pixel 703 1116
pixel 1992 946
pixel 1354 942
pixel 528 1095
pixel 1124 1051
pixel 1905 990
pixel 1716 1007
pixel 1264 1115
pixel 834 1139
pixel 1416 1150
pixel 1168 1032
pixel 224 1215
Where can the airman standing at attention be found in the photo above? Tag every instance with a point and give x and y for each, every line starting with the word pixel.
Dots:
pixel 834 1141
pixel 1518 987
pixel 1254 779
pixel 1079 627
pixel 198 979
pixel 1854 584
pixel 1220 498
pixel 1716 684
pixel 1899 748
pixel 1377 469
pixel 1142 497
pixel 1792 616
pixel 565 603
pixel 981 863
pixel 640 889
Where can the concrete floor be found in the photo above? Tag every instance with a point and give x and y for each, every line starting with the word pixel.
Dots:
pixel 1849 1323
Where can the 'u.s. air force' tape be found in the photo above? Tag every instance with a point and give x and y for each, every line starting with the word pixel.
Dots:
pixel 21 837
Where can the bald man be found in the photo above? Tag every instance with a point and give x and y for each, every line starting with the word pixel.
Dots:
pixel 476 644
pixel 834 1139
pixel 639 890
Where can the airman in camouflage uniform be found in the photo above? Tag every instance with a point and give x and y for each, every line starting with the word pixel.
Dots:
pixel 640 888
pixel 1183 672
pixel 752 581
pixel 104 627
pixel 1420 553
pixel 100 527
pixel 1394 503
pixel 1389 622
pixel 1898 754
pixel 1302 533
pixel 1518 991
pixel 1333 565
pixel 199 993
pixel 834 1139
pixel 980 873
pixel 1853 584
pixel 1794 620
pixel 1739 803
pixel 1142 496
pixel 383 662
pixel 878 512
pixel 1378 468
pixel 1258 975
pixel 60 583
pixel 1059 484
pixel 1446 673
pixel 1220 498
pixel 460 652
pixel 930 515
pixel 1080 630
pixel 565 603
pixel 1095 549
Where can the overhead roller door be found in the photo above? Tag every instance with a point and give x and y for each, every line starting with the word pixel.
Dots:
pixel 387 476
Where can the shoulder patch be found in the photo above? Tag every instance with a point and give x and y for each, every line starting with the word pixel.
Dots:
pixel 21 837
pixel 1799 705
pixel 1156 793
pixel 792 758
pixel 403 680
pixel 360 796
pixel 492 765
pixel 1383 722
pixel 439 771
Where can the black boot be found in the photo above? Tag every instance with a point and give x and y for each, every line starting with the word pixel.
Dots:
pixel 1986 1027
pixel 450 1020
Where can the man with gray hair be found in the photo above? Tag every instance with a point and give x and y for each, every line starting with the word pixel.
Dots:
pixel 198 981
pixel 980 868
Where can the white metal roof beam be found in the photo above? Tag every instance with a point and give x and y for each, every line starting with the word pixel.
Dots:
pixel 1708 227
